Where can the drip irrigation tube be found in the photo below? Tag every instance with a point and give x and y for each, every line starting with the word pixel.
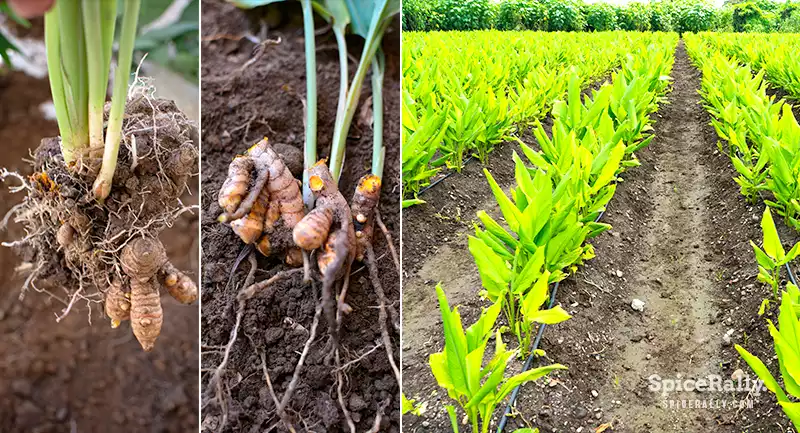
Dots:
pixel 445 176
pixel 792 276
pixel 529 362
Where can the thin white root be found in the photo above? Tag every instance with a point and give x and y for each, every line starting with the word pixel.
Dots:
pixel 389 241
pixel 14 189
pixel 216 378
pixel 376 426
pixel 287 396
pixel 340 381
pixel 12 211
pixel 382 316
pixel 281 414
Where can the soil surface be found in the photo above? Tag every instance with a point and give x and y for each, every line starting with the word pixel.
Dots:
pixel 79 374
pixel 679 243
pixel 242 104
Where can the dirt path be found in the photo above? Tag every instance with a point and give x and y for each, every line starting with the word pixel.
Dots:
pixel 675 280
pixel 680 244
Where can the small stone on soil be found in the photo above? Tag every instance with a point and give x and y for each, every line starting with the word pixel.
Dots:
pixel 637 305
pixel 595 394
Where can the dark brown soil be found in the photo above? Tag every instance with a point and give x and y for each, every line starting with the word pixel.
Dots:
pixel 73 376
pixel 240 106
pixel 679 243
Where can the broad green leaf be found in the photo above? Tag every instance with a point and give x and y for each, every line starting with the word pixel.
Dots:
pixel 763 373
pixel 772 243
pixel 494 273
pixel 527 376
pixel 550 316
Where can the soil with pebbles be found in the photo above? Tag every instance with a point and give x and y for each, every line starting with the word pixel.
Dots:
pixel 240 106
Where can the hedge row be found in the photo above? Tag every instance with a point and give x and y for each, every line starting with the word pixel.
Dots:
pixel 574 15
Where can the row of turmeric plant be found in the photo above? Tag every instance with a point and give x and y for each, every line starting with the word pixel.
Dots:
pixel 561 187
pixel 775 54
pixel 763 142
pixel 463 92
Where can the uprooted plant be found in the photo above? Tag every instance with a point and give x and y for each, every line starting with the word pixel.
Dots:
pixel 93 211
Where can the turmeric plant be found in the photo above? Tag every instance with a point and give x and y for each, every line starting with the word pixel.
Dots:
pixel 772 258
pixel 459 368
pixel 786 339
pixel 113 177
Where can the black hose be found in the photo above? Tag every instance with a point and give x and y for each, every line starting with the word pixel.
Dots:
pixel 529 362
pixel 792 277
pixel 445 176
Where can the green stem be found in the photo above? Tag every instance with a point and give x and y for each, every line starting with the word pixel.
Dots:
pixel 340 135
pixel 310 150
pixel 378 149
pixel 53 46
pixel 73 58
pixel 344 76
pixel 98 80
pixel 102 186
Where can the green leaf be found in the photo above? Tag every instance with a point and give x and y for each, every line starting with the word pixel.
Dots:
pixel 550 316
pixel 772 243
pixel 510 212
pixel 763 373
pixel 412 202
pixel 494 273
pixel 536 297
pixel 524 377
pixel 455 343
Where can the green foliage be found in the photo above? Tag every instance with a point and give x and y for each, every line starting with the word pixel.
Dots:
pixel 465 14
pixel 176 46
pixel 564 15
pixel 600 17
pixel 421 15
pixel 464 93
pixel 791 24
pixel 5 45
pixel 786 340
pixel 476 386
pixel 694 16
pixel 662 16
pixel 763 135
pixel 772 258
pixel 748 17
pixel 521 15
pixel 634 17
pixel 552 209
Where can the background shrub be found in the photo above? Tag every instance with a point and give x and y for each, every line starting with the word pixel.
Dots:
pixel 662 16
pixel 421 15
pixel 600 17
pixel 521 15
pixel 634 17
pixel 574 15
pixel 564 16
pixel 694 17
pixel 465 14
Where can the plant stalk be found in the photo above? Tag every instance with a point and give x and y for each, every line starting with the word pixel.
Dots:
pixel 98 79
pixel 310 149
pixel 378 149
pixel 344 76
pixel 75 77
pixel 130 19
pixel 53 47
pixel 340 134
